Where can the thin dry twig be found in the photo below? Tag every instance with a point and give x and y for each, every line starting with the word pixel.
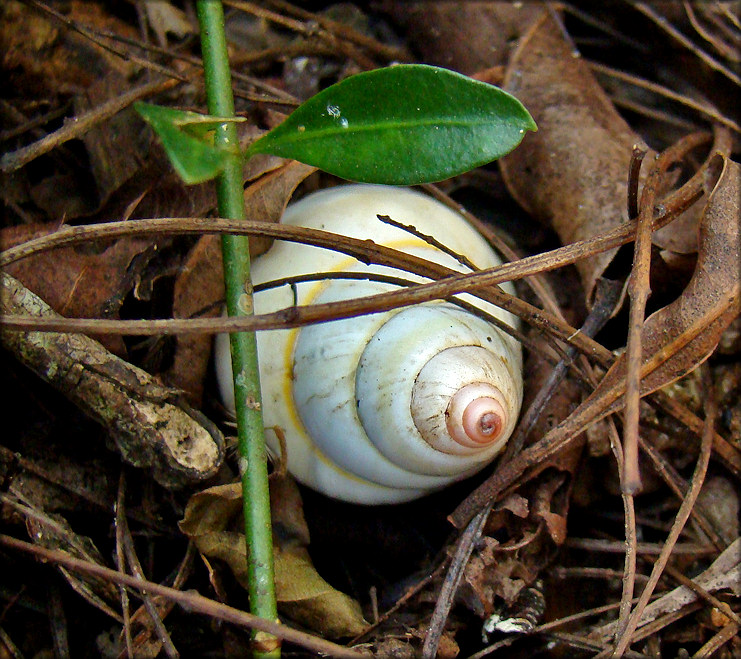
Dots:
pixel 723 49
pixel 190 601
pixel 482 282
pixel 711 599
pixel 723 636
pixel 430 240
pixel 636 160
pixel 606 296
pixel 665 25
pixel 14 160
pixel 537 282
pixel 623 640
pixel 445 600
pixel 639 289
pixel 705 110
pixel 128 554
pixel 121 564
pixel 631 534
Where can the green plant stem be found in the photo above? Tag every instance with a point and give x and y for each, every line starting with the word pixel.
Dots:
pixel 235 250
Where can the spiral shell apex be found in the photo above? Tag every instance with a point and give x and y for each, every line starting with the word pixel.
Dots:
pixel 385 407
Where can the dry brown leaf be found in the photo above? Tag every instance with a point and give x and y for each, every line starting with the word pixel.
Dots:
pixel 37 49
pixel 76 282
pixel 465 36
pixel 301 592
pixel 200 286
pixel 683 334
pixel 114 147
pixel 573 172
pixel 490 578
pixel 306 597
pixel 287 511
pixel 680 235
pixel 165 19
pixel 551 509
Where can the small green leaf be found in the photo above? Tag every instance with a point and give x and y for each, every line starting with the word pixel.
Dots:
pixel 188 141
pixel 401 125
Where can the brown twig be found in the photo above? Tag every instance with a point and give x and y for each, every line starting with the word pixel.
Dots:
pixel 91 35
pixel 723 636
pixel 190 601
pixel 723 49
pixel 454 283
pixel 623 640
pixel 151 426
pixel 639 290
pixel 123 535
pixel 121 564
pixel 664 24
pixel 67 538
pixel 445 599
pixel 430 240
pixel 537 282
pixel 711 599
pixel 14 160
pixel 708 112
pixel 636 160
pixel 631 535
pixel 606 297
pixel 692 549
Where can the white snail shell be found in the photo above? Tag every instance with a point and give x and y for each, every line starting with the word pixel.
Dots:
pixel 387 407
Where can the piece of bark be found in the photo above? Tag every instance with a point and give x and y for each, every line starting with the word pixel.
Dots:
pixel 723 575
pixel 150 426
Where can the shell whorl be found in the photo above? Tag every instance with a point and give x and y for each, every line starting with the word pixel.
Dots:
pixel 386 407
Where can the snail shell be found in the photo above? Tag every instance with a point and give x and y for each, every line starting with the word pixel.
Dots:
pixel 387 407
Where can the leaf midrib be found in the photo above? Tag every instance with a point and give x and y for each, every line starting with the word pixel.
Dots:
pixel 317 133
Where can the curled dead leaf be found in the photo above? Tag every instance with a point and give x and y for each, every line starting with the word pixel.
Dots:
pixel 682 335
pixel 465 36
pixel 301 592
pixel 572 173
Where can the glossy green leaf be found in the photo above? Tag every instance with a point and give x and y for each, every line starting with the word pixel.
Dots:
pixel 401 125
pixel 188 140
